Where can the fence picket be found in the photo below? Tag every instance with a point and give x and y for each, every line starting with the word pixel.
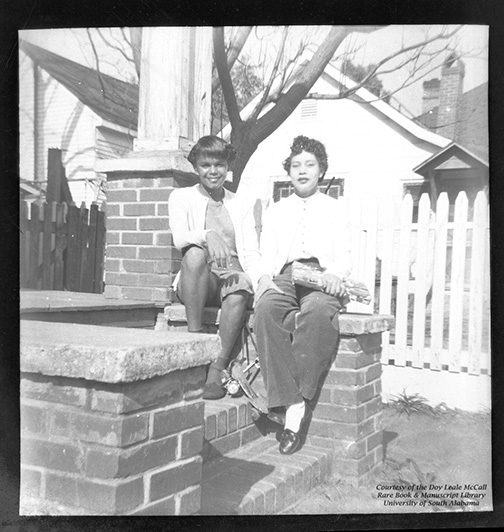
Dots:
pixel 100 253
pixel 83 244
pixel 59 246
pixel 476 284
pixel 24 244
pixel 72 258
pixel 387 248
pixel 438 282
pixel 47 246
pixel 34 245
pixel 385 280
pixel 401 327
pixel 457 283
pixel 371 213
pixel 421 282
pixel 87 279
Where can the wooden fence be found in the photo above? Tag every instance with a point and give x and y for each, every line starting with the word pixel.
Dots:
pixel 62 247
pixel 433 275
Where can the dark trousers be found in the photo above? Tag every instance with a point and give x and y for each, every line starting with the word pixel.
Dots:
pixel 293 358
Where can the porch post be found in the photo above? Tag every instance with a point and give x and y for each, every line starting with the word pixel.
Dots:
pixel 174 111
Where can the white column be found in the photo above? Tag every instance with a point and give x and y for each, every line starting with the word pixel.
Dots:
pixel 175 87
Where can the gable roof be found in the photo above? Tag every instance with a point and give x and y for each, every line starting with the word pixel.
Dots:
pixel 452 157
pixel 110 98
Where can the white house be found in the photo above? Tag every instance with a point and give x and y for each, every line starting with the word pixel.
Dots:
pixel 372 147
pixel 65 105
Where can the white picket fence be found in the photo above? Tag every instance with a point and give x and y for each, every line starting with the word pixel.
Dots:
pixel 433 275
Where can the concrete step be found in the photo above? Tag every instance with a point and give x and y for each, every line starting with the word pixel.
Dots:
pixel 256 479
pixel 91 309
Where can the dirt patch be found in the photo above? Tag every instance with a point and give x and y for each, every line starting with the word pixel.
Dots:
pixel 444 448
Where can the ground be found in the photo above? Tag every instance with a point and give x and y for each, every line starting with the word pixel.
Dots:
pixel 447 447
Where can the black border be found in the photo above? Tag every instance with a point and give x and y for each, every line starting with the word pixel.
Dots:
pixel 32 14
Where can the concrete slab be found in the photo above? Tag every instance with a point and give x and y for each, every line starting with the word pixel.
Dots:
pixel 59 300
pixel 110 354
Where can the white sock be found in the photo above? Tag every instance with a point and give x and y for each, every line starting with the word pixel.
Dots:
pixel 294 415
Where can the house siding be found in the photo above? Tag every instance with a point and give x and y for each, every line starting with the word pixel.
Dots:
pixel 53 117
pixel 373 155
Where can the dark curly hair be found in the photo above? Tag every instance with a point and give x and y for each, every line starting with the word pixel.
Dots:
pixel 214 147
pixel 302 143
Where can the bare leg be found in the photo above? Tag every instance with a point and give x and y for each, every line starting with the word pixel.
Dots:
pixel 231 323
pixel 196 286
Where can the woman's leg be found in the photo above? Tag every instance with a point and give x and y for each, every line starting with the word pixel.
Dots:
pixel 316 337
pixel 273 318
pixel 231 321
pixel 196 286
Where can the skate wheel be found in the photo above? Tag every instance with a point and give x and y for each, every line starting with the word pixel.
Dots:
pixel 255 414
pixel 233 387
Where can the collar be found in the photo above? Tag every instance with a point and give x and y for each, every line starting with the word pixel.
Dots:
pixel 201 189
pixel 309 199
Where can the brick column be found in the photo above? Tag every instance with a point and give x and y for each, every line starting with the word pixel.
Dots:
pixel 140 257
pixel 111 423
pixel 347 414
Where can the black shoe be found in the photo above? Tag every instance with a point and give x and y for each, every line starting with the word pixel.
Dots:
pixel 289 441
pixel 213 391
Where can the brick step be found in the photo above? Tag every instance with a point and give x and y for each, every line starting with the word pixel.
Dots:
pixel 256 479
pixel 229 426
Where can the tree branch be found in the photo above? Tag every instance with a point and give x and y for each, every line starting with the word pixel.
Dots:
pixel 102 85
pixel 273 75
pixel 236 47
pixel 289 101
pixel 225 78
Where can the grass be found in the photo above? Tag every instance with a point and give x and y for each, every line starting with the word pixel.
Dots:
pixel 422 445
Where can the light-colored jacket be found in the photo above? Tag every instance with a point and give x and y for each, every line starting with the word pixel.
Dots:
pixel 187 211
pixel 328 233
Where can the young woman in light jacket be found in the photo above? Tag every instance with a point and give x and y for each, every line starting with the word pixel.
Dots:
pixel 215 231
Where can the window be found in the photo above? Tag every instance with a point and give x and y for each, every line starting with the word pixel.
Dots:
pixel 283 189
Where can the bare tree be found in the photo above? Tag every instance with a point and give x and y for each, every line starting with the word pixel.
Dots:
pixel 290 81
pixel 247 134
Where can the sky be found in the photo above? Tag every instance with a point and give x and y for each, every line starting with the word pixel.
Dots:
pixel 471 42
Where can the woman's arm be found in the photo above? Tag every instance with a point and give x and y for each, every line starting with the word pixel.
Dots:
pixel 181 212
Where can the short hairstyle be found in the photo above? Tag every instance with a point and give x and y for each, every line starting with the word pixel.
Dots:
pixel 302 143
pixel 212 146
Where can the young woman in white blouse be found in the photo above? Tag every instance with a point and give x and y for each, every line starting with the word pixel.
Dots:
pixel 297 327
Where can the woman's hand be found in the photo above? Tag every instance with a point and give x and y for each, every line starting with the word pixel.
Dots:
pixel 266 283
pixel 219 251
pixel 331 284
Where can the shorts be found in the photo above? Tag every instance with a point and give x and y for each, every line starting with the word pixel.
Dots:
pixel 228 282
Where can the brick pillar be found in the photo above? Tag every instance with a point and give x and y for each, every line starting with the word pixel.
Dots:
pixel 347 414
pixel 141 260
pixel 111 423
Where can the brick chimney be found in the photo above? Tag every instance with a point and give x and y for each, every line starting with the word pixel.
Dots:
pixel 430 103
pixel 452 79
pixel 430 98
